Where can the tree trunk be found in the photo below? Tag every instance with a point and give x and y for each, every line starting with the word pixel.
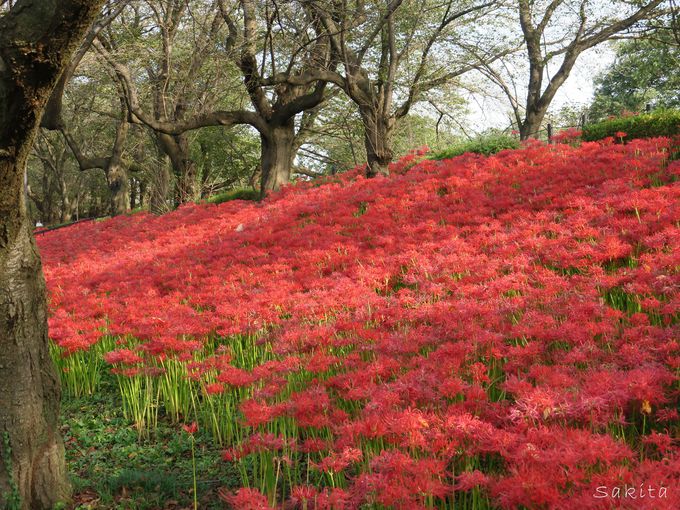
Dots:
pixel 142 193
pixel 531 126
pixel 133 193
pixel 160 184
pixel 116 172
pixel 378 142
pixel 119 188
pixel 36 41
pixel 176 147
pixel 278 151
pixel 34 473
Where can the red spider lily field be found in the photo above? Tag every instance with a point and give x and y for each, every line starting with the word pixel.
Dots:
pixel 472 333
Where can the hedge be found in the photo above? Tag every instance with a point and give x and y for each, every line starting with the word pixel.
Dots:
pixel 486 145
pixel 649 125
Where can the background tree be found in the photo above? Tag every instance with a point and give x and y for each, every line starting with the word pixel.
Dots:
pixel 555 33
pixel 36 41
pixel 336 141
pixel 645 72
pixel 392 53
pixel 261 37
pixel 173 46
pixel 58 191
pixel 113 165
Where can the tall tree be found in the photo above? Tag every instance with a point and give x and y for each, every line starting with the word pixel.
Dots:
pixel 172 48
pixel 555 34
pixel 112 164
pixel 263 39
pixel 393 52
pixel 37 39
pixel 645 72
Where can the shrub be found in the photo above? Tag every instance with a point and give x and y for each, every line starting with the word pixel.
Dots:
pixel 235 194
pixel 484 144
pixel 660 123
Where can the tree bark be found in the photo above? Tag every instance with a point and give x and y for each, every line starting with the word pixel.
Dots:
pixel 278 151
pixel 36 40
pixel 116 173
pixel 29 389
pixel 378 142
pixel 119 189
pixel 160 183
pixel 176 147
pixel 133 193
pixel 531 125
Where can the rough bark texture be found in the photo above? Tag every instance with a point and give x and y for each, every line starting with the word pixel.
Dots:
pixel 278 151
pixel 160 183
pixel 176 147
pixel 37 38
pixel 119 189
pixel 377 138
pixel 116 173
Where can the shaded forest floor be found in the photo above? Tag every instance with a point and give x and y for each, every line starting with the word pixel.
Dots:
pixel 110 468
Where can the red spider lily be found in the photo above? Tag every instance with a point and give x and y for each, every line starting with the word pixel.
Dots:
pixel 504 326
pixel 245 499
pixel 122 357
pixel 192 428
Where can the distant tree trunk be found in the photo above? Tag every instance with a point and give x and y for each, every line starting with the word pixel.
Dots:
pixel 116 174
pixel 66 204
pixel 133 193
pixel 142 193
pixel 176 147
pixel 160 184
pixel 378 142
pixel 278 151
pixel 36 40
pixel 119 189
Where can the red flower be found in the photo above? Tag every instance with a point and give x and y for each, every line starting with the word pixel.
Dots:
pixel 192 428
pixel 245 499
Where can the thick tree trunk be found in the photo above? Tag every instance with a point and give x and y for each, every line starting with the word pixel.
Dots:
pixel 119 188
pixel 116 173
pixel 278 151
pixel 29 389
pixel 378 142
pixel 531 126
pixel 176 147
pixel 36 40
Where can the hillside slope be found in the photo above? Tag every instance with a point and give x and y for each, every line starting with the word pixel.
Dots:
pixel 491 331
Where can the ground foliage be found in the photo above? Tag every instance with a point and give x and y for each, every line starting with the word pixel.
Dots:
pixel 111 468
pixel 480 332
pixel 647 125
